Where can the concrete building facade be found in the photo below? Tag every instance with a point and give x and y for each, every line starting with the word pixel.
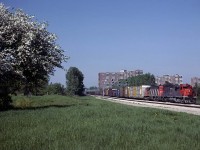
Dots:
pixel 174 79
pixel 194 81
pixel 107 79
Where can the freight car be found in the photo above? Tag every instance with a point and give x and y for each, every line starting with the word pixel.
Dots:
pixel 111 92
pixel 168 93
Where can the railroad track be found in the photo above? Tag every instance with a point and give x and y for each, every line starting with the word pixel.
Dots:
pixel 147 101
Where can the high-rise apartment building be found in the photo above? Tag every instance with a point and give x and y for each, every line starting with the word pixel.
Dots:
pixel 106 79
pixel 194 81
pixel 174 79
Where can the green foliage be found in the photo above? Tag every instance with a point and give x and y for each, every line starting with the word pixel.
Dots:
pixel 120 83
pixel 55 88
pixel 5 102
pixel 43 88
pixel 60 122
pixel 9 82
pixel 74 81
pixel 145 79
pixel 36 87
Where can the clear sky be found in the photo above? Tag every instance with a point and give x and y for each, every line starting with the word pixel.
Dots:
pixel 157 36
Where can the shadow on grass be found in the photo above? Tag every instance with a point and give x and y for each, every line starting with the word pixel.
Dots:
pixel 41 107
pixel 6 104
pixel 48 106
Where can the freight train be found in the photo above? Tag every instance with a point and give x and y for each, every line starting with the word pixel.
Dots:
pixel 184 93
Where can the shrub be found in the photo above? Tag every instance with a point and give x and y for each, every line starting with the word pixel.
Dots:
pixel 23 102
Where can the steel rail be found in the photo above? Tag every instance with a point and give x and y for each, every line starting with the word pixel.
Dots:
pixel 148 101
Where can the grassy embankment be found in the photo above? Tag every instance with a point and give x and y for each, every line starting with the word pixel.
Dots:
pixel 198 100
pixel 58 122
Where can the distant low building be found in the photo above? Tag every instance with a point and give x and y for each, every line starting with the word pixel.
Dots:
pixel 92 92
pixel 194 81
pixel 174 79
pixel 107 79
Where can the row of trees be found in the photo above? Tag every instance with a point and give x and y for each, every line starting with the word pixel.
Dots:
pixel 54 88
pixel 74 84
pixel 145 79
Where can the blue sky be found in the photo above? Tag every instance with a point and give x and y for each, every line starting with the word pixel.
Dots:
pixel 157 36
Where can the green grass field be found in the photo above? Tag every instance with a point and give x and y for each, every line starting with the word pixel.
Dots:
pixel 59 122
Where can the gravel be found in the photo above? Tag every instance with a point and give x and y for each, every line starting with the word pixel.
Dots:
pixel 190 110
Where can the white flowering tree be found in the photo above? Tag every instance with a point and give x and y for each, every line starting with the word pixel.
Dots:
pixel 27 49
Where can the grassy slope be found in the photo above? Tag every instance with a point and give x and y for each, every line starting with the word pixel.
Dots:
pixel 86 123
pixel 198 100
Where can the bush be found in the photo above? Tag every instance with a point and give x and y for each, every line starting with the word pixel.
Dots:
pixel 23 102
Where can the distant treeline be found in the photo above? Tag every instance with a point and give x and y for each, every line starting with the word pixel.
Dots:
pixel 145 79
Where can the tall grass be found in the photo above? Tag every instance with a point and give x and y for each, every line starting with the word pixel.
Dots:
pixel 24 102
pixel 87 123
